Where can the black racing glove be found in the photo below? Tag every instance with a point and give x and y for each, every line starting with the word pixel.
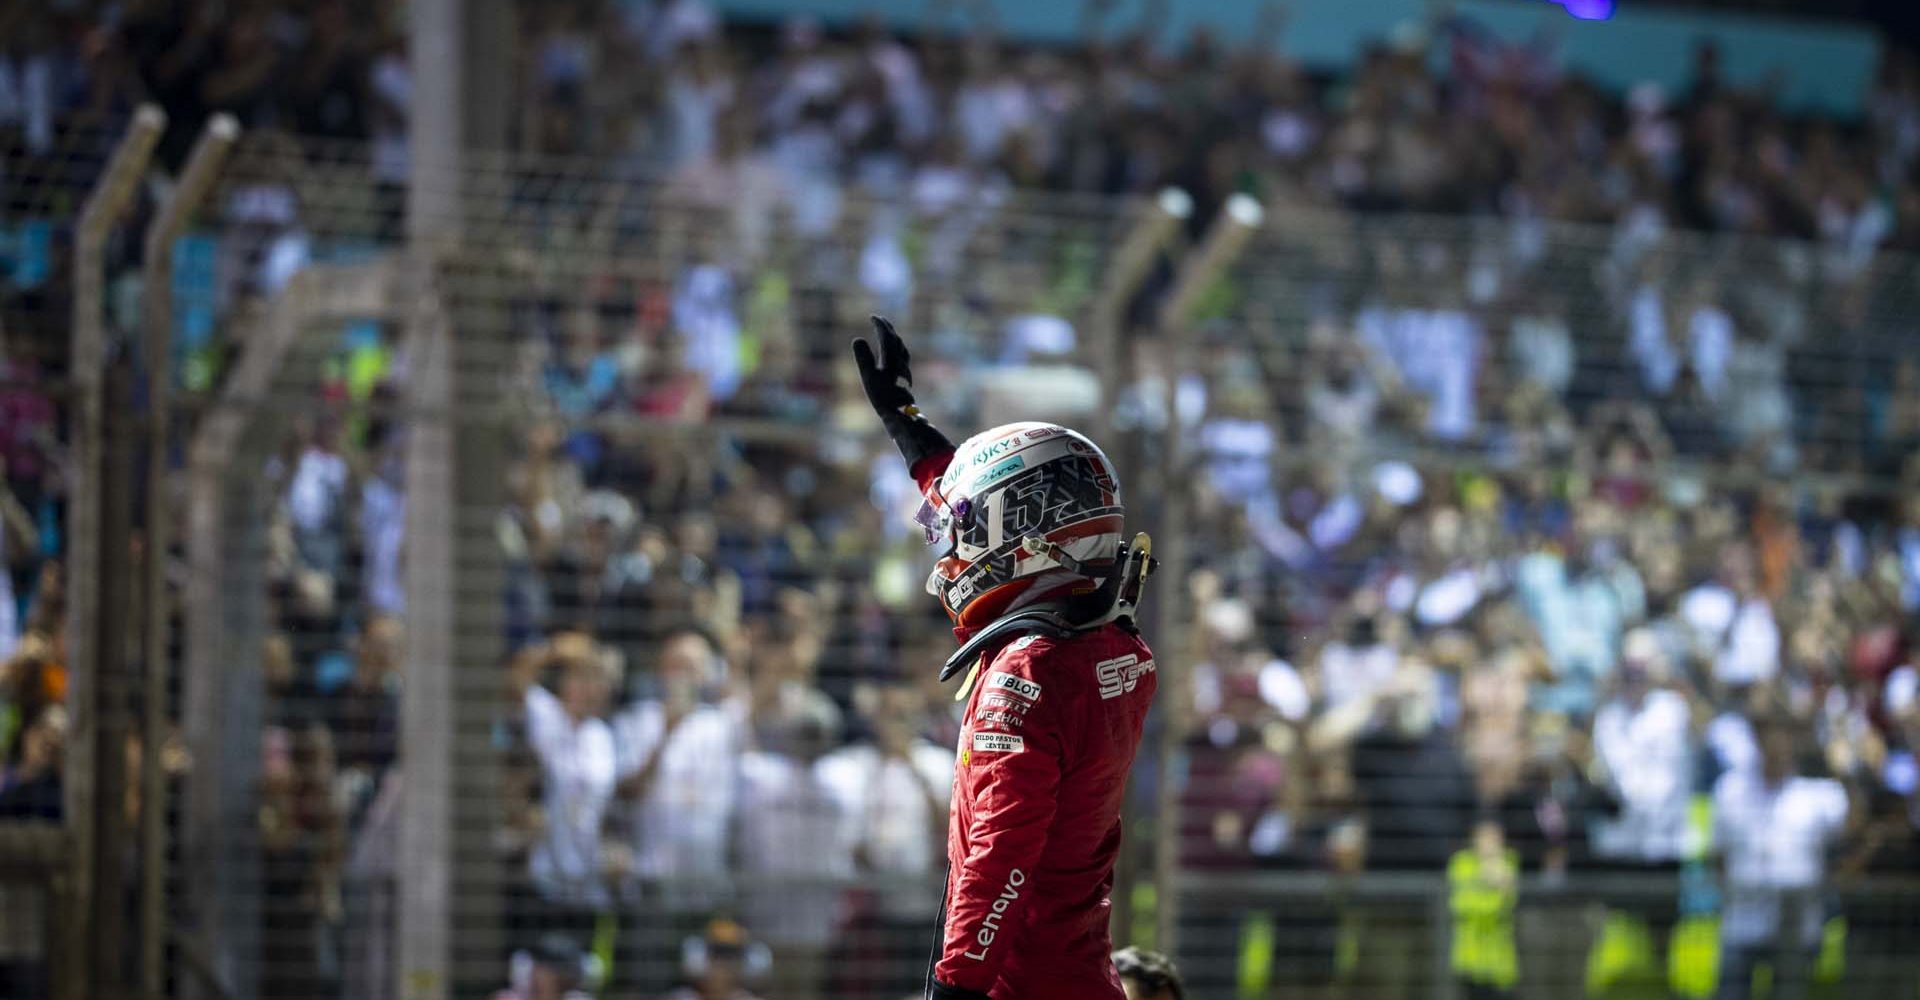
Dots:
pixel 937 990
pixel 888 382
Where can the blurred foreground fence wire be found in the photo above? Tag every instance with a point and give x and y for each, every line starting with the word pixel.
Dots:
pixel 546 602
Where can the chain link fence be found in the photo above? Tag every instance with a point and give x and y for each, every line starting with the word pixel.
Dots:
pixel 1544 632
pixel 548 606
pixel 555 589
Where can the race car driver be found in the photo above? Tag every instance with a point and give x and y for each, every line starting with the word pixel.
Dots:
pixel 1033 570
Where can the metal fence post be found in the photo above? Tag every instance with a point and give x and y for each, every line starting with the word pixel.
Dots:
pixel 105 206
pixel 203 166
pixel 426 699
pixel 1225 239
pixel 112 632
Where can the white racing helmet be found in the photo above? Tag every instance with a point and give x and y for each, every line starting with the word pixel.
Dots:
pixel 1023 510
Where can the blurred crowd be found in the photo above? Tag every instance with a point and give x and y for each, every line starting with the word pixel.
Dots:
pixel 956 111
pixel 1499 546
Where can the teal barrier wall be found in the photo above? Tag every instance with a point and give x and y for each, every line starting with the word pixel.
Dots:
pixel 1826 66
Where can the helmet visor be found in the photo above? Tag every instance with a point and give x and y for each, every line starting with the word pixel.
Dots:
pixel 940 523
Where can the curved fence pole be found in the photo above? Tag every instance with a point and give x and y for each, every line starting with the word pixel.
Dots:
pixel 1155 229
pixel 106 204
pixel 1226 238
pixel 203 168
pixel 225 617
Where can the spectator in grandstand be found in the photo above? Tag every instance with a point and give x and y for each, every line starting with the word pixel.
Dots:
pixel 383 522
pixel 1412 783
pixel 677 757
pixel 555 968
pixel 1733 621
pixel 794 856
pixel 30 791
pixel 30 783
pixel 1774 827
pixel 19 550
pixel 1643 739
pixel 364 714
pixel 719 963
pixel 315 500
pixel 1643 736
pixel 32 681
pixel 570 865
pixel 892 790
pixel 1417 802
pixel 1580 600
pixel 303 847
pixel 1148 975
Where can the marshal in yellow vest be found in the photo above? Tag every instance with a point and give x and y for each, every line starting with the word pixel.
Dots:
pixel 1483 896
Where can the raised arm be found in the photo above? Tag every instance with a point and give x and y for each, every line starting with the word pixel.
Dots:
pixel 887 377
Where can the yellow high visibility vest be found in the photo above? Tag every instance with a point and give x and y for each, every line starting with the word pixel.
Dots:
pixel 1483 948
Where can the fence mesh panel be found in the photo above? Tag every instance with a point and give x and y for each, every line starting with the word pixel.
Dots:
pixel 1522 560
pixel 1530 561
pixel 685 587
pixel 44 179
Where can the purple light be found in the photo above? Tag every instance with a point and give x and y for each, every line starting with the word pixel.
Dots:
pixel 1588 10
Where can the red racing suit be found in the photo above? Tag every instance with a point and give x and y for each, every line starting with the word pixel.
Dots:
pixel 1049 735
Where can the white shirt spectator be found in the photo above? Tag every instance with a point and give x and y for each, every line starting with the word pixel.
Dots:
pixel 885 270
pixel 1238 455
pixel 27 97
pixel 704 315
pixel 1730 737
pixel 1346 414
pixel 383 521
pixel 1282 687
pixel 986 112
pixel 1542 350
pixel 577 776
pixel 1908 544
pixel 1899 692
pixel 679 827
pixel 671 24
pixel 1750 651
pixel 1775 839
pixel 392 86
pixel 319 480
pixel 1448 598
pixel 884 802
pixel 1756 397
pixel 1740 636
pixel 1349 673
pixel 1710 344
pixel 1650 764
pixel 1437 354
pixel 1709 609
pixel 793 846
pixel 693 107
pixel 1647 340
